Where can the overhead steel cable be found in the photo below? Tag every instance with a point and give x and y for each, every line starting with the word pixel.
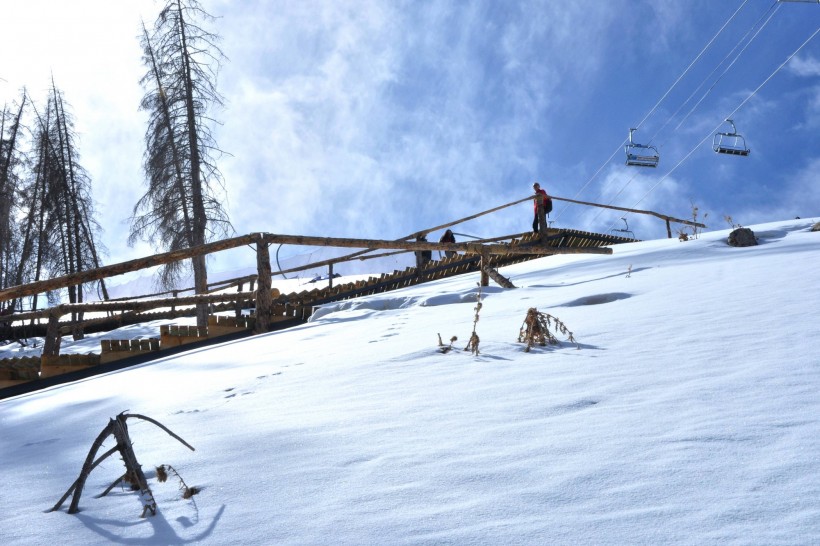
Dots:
pixel 770 12
pixel 657 104
pixel 729 116
pixel 688 68
pixel 773 10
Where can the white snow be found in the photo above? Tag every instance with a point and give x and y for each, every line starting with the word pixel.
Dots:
pixel 690 414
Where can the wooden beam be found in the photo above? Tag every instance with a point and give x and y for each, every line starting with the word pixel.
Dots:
pixel 137 306
pixel 123 267
pixel 637 211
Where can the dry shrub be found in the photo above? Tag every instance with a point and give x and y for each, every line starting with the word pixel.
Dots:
pixel 536 330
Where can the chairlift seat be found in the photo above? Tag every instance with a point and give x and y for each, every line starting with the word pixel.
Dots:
pixel 737 145
pixel 732 151
pixel 730 143
pixel 636 160
pixel 625 230
pixel 640 155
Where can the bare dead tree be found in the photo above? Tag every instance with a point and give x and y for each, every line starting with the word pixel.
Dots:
pixel 181 208
pixel 10 186
pixel 60 202
pixel 35 252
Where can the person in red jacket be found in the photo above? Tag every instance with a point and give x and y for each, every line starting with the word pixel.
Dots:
pixel 547 204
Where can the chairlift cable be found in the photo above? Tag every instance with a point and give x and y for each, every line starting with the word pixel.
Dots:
pixel 731 115
pixel 466 235
pixel 776 3
pixel 688 68
pixel 695 60
pixel 277 262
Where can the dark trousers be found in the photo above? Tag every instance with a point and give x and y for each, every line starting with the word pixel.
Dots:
pixel 535 222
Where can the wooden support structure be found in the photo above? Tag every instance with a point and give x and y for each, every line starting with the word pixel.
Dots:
pixel 469 248
pixel 51 345
pixel 264 294
pixel 500 279
pixel 159 259
pixel 112 350
pixel 263 298
pixel 52 365
pixel 485 269
pixel 360 254
pixel 483 256
pixel 14 371
pixel 135 306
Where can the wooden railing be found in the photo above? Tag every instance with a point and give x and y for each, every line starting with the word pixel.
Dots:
pixel 262 297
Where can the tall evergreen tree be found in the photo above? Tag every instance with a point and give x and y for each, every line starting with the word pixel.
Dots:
pixel 181 208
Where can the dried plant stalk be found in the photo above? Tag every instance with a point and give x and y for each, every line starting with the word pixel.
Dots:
pixel 472 344
pixel 162 476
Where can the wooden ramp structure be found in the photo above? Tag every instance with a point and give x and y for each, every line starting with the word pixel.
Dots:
pixel 234 311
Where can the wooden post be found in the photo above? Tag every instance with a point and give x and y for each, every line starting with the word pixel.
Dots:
pixel 330 275
pixel 485 266
pixel 238 307
pixel 499 278
pixel 668 229
pixel 264 302
pixel 51 345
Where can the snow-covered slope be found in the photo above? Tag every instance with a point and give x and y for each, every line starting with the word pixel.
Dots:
pixel 689 414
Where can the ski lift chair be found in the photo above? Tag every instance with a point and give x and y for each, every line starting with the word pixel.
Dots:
pixel 730 143
pixel 623 232
pixel 639 155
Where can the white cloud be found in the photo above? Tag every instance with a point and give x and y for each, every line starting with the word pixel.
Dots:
pixel 797 197
pixel 375 118
pixel 804 66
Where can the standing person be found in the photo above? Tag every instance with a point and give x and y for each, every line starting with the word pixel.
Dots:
pixel 545 199
pixel 448 237
pixel 422 256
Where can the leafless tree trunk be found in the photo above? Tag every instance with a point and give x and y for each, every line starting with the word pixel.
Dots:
pixel 10 186
pixel 59 233
pixel 180 208
pixel 10 183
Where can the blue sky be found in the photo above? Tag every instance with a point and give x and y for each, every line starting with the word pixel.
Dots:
pixel 381 118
